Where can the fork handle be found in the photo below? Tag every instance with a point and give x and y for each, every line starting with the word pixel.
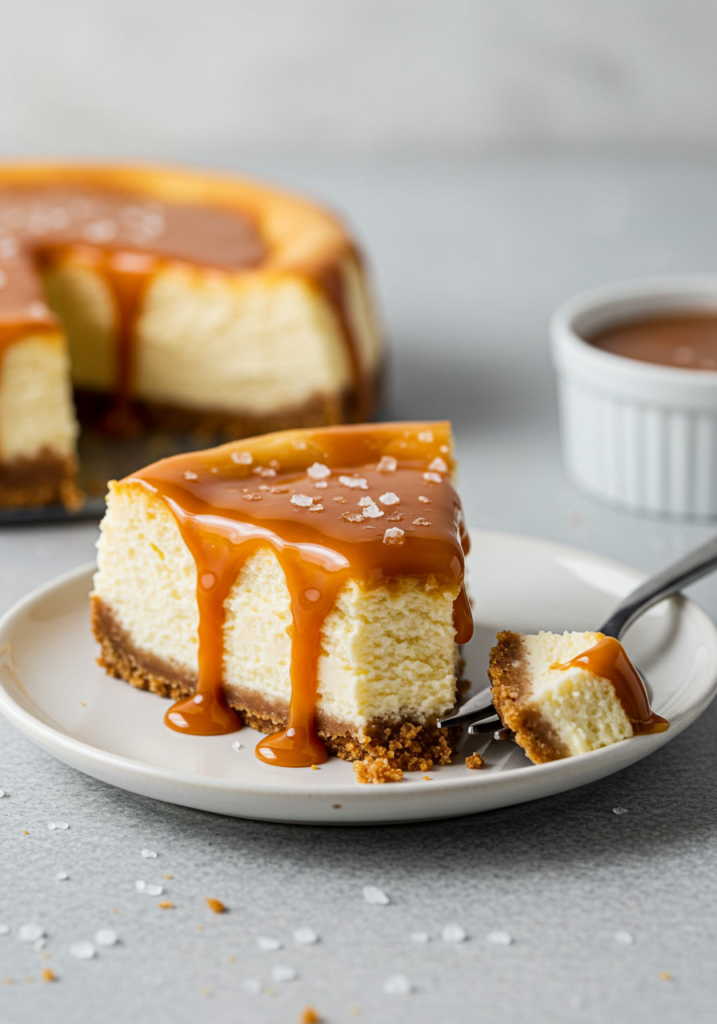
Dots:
pixel 690 568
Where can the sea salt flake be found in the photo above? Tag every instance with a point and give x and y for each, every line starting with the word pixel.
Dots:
pixel 438 465
pixel 283 972
pixel 302 500
pixel 153 890
pixel 376 897
pixel 365 501
pixel 387 464
pixel 424 500
pixel 106 937
pixel 373 511
pixel 397 985
pixel 619 810
pixel 433 478
pixel 251 496
pixel 279 490
pixel 320 485
pixel 421 522
pixel 425 437
pixel 236 745
pixel 499 938
pixel 4 929
pixel 389 498
pixel 317 508
pixel 394 535
pixel 62 876
pixel 265 488
pixel 30 932
pixel 101 231
pixel 624 938
pixel 266 472
pixel 40 944
pixel 395 517
pixel 140 886
pixel 341 500
pixel 453 933
pixel 83 950
pixel 354 481
pixel 318 471
pixel 267 945
pixel 353 517
pixel 305 936
pixel 242 458
pixel 420 937
pixel 149 854
pixel 252 985
pixel 61 825
pixel 189 475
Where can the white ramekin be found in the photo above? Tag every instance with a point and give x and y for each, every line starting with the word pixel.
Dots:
pixel 639 436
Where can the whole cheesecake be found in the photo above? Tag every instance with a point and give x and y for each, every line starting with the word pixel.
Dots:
pixel 169 299
pixel 308 583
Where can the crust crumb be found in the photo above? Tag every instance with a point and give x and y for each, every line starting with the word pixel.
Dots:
pixel 309 1016
pixel 666 976
pixel 216 906
pixel 48 974
pixel 376 770
pixel 165 905
pixel 474 761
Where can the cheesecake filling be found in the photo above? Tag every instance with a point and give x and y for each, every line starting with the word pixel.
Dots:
pixel 365 507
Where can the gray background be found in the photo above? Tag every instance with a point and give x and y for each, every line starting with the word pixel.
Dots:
pixel 494 158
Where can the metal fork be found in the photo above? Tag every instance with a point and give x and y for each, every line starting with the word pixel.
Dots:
pixel 480 715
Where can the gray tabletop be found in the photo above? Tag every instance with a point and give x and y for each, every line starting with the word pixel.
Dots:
pixel 470 259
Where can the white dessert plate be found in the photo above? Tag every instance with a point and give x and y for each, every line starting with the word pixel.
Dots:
pixel 52 689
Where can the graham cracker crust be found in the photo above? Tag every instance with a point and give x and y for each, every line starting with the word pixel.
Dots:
pixel 403 746
pixel 511 689
pixel 45 479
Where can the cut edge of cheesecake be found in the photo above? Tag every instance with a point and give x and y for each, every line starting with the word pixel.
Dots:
pixel 554 713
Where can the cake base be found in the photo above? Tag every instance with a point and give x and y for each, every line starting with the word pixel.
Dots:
pixel 409 746
pixel 44 479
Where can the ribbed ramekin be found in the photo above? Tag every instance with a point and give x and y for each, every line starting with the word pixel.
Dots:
pixel 639 436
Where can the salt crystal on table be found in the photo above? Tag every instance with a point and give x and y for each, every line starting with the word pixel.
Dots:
pixel 397 985
pixel 453 933
pixel 4 929
pixel 283 973
pixel 106 937
pixel 499 939
pixel 267 945
pixel 305 936
pixel 62 876
pixel 140 886
pixel 624 938
pixel 83 950
pixel 619 810
pixel 149 854
pixel 375 896
pixel 153 890
pixel 236 745
pixel 30 932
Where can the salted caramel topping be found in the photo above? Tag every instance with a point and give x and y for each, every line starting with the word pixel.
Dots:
pixel 687 340
pixel 608 660
pixel 319 547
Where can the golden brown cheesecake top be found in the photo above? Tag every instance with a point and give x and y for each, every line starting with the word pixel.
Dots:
pixel 369 503
pixel 608 660
pixel 128 233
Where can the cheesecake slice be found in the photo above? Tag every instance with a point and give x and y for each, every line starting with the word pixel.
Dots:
pixel 169 301
pixel 568 693
pixel 308 583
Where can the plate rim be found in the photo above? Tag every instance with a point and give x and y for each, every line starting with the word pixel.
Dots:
pixel 640 746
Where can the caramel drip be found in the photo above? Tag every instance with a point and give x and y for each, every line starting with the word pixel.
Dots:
pixel 608 660
pixel 225 515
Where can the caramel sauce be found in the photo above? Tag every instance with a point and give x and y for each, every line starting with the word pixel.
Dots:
pixel 228 502
pixel 608 660
pixel 687 341
pixel 127 239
